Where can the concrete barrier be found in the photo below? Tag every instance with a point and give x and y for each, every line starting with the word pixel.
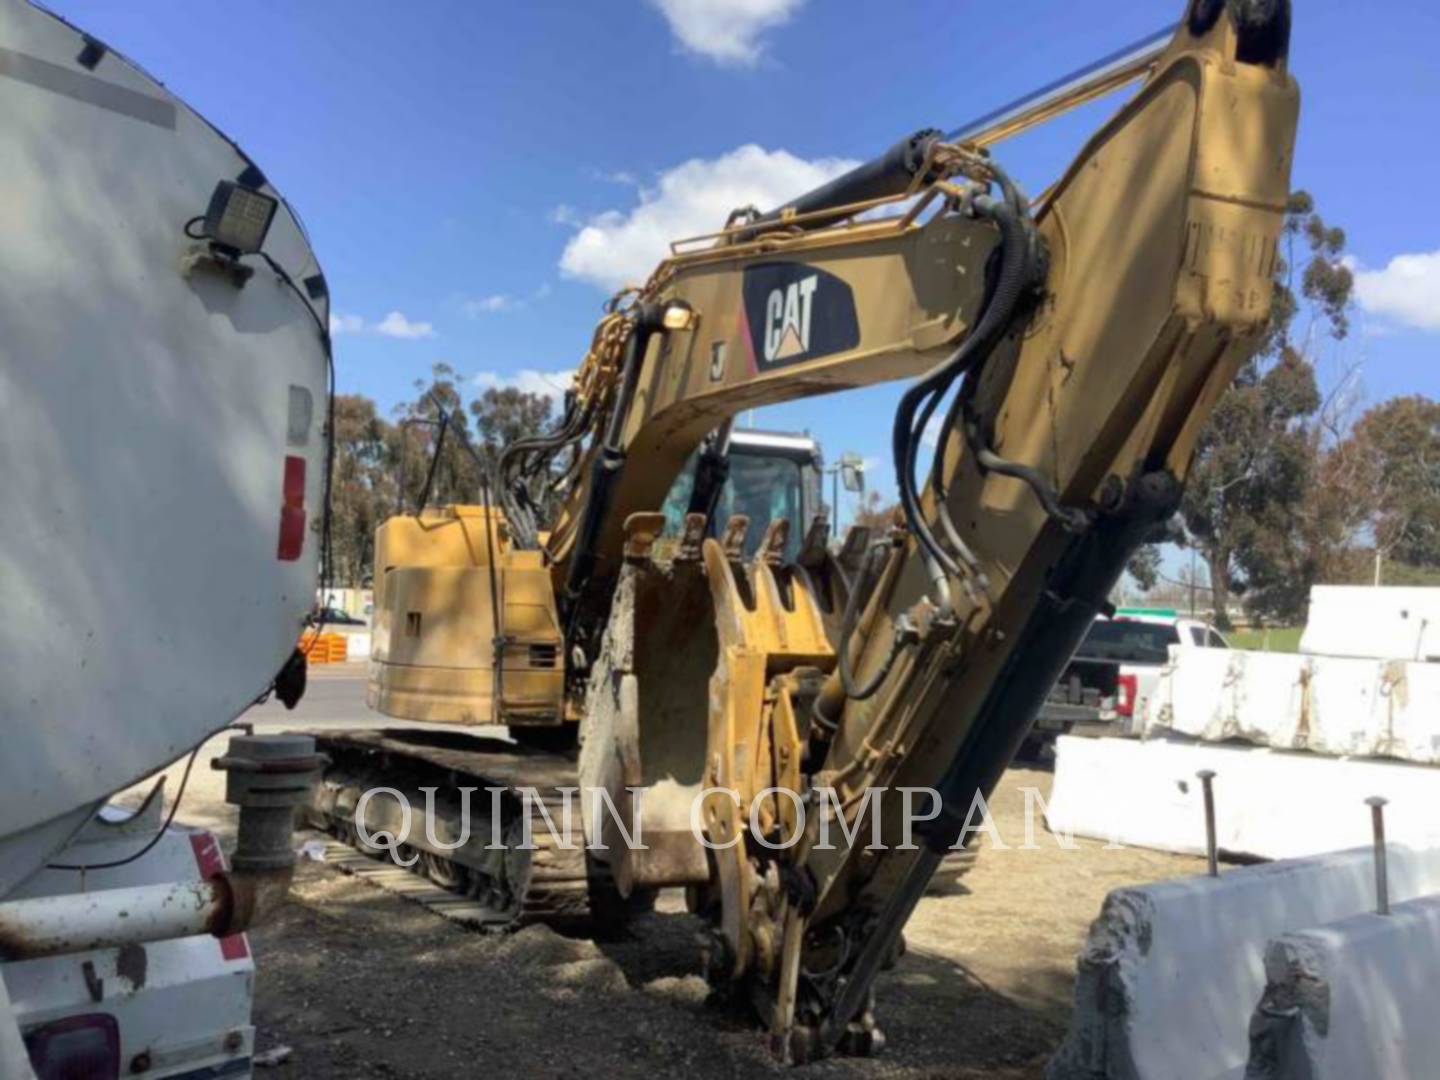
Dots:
pixel 1332 705
pixel 1352 999
pixel 1387 622
pixel 1270 804
pixel 1171 972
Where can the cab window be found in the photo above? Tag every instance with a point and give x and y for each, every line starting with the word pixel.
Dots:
pixel 761 488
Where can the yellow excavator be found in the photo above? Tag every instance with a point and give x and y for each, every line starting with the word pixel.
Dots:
pixel 767 712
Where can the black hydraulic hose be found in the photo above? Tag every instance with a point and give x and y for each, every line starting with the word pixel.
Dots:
pixel 712 470
pixel 936 573
pixel 526 458
pixel 962 413
pixel 987 459
pixel 865 581
pixel 957 543
pixel 611 457
pixel 905 439
pixel 1014 277
pixel 1007 213
pixel 639 342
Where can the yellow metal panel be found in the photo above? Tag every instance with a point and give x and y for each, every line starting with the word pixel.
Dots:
pixel 435 624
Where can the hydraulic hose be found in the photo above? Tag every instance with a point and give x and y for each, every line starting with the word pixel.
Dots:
pixel 841 684
pixel 1016 275
pixel 523 460
pixel 871 570
pixel 987 459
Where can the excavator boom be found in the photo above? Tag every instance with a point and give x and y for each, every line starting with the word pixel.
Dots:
pixel 805 738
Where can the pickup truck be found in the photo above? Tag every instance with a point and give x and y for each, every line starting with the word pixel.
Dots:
pixel 1107 686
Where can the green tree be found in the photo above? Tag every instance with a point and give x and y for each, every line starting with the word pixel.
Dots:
pixel 362 488
pixel 505 414
pixel 1257 458
pixel 488 423
pixel 1144 567
pixel 426 454
pixel 371 453
pixel 1393 452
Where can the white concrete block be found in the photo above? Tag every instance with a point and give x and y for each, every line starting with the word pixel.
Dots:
pixel 1216 694
pixel 1387 623
pixel 1269 803
pixel 1352 999
pixel 1326 704
pixel 1171 972
pixel 1342 705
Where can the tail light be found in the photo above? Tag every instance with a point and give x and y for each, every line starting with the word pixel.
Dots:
pixel 292 510
pixel 75 1048
pixel 1127 689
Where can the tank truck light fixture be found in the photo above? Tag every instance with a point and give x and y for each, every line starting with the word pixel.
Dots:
pixel 239 217
pixel 234 225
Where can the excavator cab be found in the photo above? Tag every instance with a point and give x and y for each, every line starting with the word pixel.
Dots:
pixel 772 475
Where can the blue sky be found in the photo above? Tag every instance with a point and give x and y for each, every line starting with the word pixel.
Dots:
pixel 445 156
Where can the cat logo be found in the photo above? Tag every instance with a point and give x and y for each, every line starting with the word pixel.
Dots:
pixel 787 319
pixel 794 312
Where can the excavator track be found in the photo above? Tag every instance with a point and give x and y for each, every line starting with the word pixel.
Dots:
pixel 497 886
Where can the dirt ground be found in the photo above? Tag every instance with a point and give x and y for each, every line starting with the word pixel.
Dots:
pixel 360 983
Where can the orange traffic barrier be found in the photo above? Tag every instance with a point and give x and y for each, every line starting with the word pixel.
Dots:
pixel 324 648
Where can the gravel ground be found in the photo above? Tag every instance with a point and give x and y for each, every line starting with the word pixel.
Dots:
pixel 360 983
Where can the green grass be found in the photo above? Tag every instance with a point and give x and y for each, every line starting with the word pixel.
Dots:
pixel 1270 639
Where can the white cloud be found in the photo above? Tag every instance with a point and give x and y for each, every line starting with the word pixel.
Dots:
pixel 396 325
pixel 617 247
pixel 487 305
pixel 565 214
pixel 1407 290
pixel 623 177
pixel 551 384
pixel 498 302
pixel 726 31
pixel 341 323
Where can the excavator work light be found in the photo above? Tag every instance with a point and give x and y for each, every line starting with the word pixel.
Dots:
pixel 679 316
pixel 239 217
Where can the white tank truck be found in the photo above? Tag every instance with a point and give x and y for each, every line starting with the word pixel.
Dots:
pixel 164 385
